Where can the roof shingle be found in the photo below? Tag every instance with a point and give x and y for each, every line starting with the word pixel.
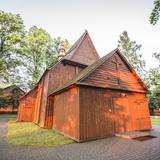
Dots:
pixel 87 71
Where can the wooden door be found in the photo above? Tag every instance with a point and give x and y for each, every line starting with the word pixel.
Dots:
pixel 140 112
pixel 109 122
pixel 27 113
pixel 122 112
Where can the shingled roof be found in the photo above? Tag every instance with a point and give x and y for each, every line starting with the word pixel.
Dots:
pixel 71 52
pixel 69 56
pixel 87 71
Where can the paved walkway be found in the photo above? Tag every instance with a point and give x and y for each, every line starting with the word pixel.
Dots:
pixel 113 148
pixel 156 128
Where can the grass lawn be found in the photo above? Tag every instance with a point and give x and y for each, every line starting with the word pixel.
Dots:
pixel 10 116
pixel 155 121
pixel 31 134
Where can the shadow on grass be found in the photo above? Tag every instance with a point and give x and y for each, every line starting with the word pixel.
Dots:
pixel 31 135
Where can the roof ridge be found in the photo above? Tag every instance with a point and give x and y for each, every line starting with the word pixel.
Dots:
pixel 77 43
pixel 74 46
pixel 104 58
pixel 84 73
pixel 71 52
pixel 88 70
pixel 96 64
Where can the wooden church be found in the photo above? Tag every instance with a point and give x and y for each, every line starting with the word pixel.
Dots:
pixel 86 97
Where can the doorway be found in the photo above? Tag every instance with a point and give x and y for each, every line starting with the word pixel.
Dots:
pixel 121 111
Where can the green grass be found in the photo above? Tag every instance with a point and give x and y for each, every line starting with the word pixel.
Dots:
pixel 155 121
pixel 10 116
pixel 31 134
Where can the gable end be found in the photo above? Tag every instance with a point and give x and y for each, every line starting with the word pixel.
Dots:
pixel 115 72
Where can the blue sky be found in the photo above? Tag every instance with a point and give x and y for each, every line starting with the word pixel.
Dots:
pixel 104 19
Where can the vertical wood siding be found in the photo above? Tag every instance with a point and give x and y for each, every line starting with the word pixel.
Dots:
pixel 55 78
pixel 38 102
pixel 140 112
pixel 95 120
pixel 104 112
pixel 49 112
pixel 112 75
pixel 60 75
pixel 65 118
pixel 43 104
pixel 27 107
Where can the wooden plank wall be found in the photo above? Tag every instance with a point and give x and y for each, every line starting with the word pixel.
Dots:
pixel 95 120
pixel 56 77
pixel 43 101
pixel 60 75
pixel 49 112
pixel 140 112
pixel 27 106
pixel 65 118
pixel 104 112
pixel 38 102
pixel 112 75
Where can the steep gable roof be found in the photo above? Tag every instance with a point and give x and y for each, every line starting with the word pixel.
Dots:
pixel 72 51
pixel 70 57
pixel 83 51
pixel 87 71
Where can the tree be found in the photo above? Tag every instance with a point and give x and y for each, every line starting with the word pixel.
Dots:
pixel 39 44
pixel 154 17
pixel 25 55
pixel 41 52
pixel 130 50
pixel 153 75
pixel 154 97
pixel 56 43
pixel 152 78
pixel 12 35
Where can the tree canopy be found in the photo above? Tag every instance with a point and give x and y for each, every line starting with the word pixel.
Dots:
pixel 130 49
pixel 42 52
pixel 152 79
pixel 154 97
pixel 12 33
pixel 154 17
pixel 24 55
pixel 39 46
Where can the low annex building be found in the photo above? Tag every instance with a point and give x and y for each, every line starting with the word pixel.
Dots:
pixel 86 97
pixel 9 98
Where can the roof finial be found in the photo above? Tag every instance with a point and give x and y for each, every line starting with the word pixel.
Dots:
pixel 61 51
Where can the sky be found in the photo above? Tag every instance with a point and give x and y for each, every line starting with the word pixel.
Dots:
pixel 105 20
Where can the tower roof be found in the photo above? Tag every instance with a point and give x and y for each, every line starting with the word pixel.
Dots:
pixel 82 51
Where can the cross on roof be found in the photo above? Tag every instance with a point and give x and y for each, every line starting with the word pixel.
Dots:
pixel 117 68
